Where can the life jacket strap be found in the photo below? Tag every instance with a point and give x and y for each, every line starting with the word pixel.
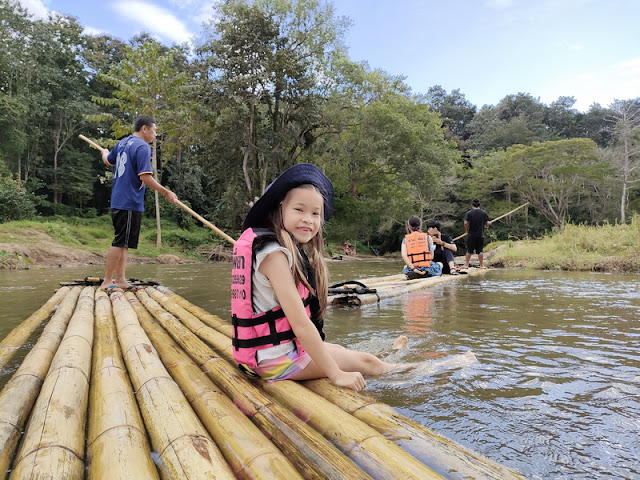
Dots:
pixel 273 339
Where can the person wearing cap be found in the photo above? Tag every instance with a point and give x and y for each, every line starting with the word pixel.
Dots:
pixel 279 287
pixel 445 247
pixel 474 222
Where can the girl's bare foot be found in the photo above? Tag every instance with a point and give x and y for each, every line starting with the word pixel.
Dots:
pixel 401 343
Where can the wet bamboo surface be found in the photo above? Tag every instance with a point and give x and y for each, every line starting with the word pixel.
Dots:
pixel 136 386
pixel 390 286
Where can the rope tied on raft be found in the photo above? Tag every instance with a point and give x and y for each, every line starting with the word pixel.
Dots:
pixel 340 288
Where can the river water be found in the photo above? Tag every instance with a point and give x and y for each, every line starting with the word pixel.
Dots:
pixel 539 371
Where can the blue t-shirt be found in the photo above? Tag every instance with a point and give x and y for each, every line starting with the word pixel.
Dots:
pixel 132 158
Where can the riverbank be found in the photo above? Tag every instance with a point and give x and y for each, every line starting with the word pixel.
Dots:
pixel 606 248
pixel 68 242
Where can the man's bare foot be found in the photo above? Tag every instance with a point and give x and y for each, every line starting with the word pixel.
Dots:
pixel 401 343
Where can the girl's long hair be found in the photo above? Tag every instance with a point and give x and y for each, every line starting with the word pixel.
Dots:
pixel 314 250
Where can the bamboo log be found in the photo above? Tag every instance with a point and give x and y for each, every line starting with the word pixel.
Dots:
pixel 182 443
pixel 54 440
pixel 117 445
pixel 19 335
pixel 249 453
pixel 310 452
pixel 19 394
pixel 446 457
pixel 378 456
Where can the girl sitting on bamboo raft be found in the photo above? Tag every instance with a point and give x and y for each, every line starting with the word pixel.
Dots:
pixel 279 288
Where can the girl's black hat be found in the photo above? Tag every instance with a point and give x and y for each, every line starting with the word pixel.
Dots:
pixel 300 174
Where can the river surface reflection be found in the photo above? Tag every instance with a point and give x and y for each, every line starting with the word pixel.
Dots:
pixel 552 389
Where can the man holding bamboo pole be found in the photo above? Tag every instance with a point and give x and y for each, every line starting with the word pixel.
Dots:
pixel 474 222
pixel 131 158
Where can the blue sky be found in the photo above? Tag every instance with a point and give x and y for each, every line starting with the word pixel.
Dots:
pixel 588 49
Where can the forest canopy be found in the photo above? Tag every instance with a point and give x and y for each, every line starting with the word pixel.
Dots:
pixel 269 84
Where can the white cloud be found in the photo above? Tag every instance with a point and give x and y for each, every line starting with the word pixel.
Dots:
pixel 94 31
pixel 617 81
pixel 36 8
pixel 154 19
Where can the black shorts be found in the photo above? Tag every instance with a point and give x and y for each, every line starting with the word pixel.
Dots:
pixel 475 244
pixel 126 223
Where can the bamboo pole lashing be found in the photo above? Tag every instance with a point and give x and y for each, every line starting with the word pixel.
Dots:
pixel 249 453
pixel 310 452
pixel 20 334
pixel 177 435
pixel 448 458
pixel 20 392
pixel 368 448
pixel 117 445
pixel 54 440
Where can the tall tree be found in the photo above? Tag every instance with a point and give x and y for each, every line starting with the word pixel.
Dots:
pixel 626 119
pixel 553 176
pixel 147 82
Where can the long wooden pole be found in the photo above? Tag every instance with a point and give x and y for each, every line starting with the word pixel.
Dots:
pixel 182 205
pixel 92 143
pixel 207 223
pixel 495 219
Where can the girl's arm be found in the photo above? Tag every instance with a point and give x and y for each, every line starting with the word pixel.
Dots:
pixel 276 268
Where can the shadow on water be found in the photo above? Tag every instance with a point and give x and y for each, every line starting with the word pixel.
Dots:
pixel 539 371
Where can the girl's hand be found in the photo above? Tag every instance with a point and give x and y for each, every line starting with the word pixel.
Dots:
pixel 353 380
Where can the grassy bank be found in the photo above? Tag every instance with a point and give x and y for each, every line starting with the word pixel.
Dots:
pixel 94 235
pixel 607 248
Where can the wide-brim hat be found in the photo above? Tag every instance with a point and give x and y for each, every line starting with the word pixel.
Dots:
pixel 300 174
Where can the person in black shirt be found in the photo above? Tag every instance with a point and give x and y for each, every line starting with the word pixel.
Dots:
pixel 444 247
pixel 474 222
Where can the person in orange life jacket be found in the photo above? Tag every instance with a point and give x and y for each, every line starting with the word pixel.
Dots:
pixel 282 241
pixel 445 247
pixel 417 252
pixel 131 158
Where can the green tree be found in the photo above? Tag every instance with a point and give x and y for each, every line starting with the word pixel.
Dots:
pixel 554 176
pixel 147 82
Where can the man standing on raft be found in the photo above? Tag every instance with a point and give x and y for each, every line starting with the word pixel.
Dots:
pixel 474 222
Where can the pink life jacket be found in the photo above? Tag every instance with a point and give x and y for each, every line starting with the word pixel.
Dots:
pixel 256 331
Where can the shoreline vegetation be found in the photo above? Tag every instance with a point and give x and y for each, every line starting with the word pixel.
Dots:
pixel 61 241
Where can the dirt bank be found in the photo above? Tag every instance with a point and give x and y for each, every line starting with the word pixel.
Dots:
pixel 42 251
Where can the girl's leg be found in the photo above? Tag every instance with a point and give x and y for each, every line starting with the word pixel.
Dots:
pixel 349 361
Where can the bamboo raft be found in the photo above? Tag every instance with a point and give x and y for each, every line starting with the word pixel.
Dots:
pixel 143 385
pixel 380 288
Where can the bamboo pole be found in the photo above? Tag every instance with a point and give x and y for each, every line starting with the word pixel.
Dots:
pixel 117 445
pixel 19 335
pixel 206 222
pixel 93 144
pixel 378 456
pixel 20 393
pixel 495 219
pixel 54 441
pixel 183 446
pixel 310 452
pixel 446 457
pixel 249 453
